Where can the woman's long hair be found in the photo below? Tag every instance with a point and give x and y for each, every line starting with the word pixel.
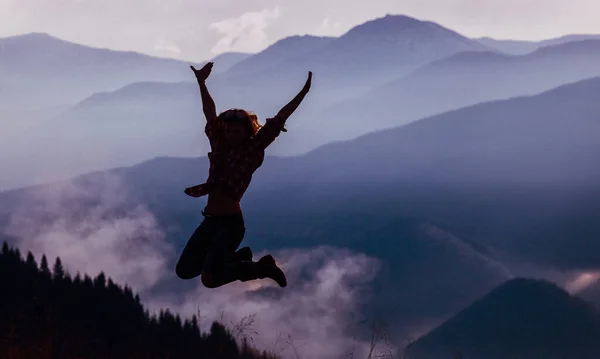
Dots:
pixel 236 115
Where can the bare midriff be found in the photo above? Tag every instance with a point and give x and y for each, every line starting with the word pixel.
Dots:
pixel 220 204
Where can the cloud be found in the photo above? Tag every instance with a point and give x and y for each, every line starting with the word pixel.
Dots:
pixel 92 232
pixel 330 27
pixel 163 46
pixel 581 281
pixel 245 33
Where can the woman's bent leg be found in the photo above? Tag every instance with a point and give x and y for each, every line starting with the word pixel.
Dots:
pixel 193 256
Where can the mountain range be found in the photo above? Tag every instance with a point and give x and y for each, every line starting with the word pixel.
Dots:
pixel 462 80
pixel 43 76
pixel 390 45
pixel 34 66
pixel 435 70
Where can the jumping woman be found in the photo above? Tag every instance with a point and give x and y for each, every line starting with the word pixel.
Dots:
pixel 238 144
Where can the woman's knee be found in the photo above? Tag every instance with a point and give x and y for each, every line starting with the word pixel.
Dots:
pixel 184 272
pixel 209 280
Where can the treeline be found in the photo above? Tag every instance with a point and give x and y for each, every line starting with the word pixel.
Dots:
pixel 50 314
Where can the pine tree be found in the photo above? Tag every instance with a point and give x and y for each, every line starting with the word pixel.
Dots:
pixel 31 260
pixel 58 270
pixel 77 278
pixel 100 281
pixel 44 266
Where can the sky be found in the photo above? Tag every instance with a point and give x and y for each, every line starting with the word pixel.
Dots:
pixel 197 30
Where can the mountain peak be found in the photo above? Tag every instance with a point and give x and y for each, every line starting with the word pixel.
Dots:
pixel 282 50
pixel 30 35
pixel 296 40
pixel 406 31
pixel 33 37
pixel 387 24
pixel 525 287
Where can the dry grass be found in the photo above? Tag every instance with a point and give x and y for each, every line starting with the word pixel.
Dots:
pixel 380 346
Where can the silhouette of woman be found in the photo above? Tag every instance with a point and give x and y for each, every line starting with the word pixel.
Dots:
pixel 238 144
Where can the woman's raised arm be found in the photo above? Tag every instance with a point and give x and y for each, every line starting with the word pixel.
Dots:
pixel 208 105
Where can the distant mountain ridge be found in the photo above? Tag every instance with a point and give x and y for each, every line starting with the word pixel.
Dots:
pixel 395 43
pixel 28 60
pixel 131 97
pixel 42 76
pixel 521 47
pixel 325 116
pixel 461 80
pixel 282 50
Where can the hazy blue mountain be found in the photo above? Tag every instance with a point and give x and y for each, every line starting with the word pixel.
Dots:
pixel 521 319
pixel 42 76
pixel 529 161
pixel 520 47
pixel 511 47
pixel 41 70
pixel 175 128
pixel 169 113
pixel 89 137
pixel 368 54
pixel 509 158
pixel 14 121
pixel 384 47
pixel 392 42
pixel 461 80
pixel 282 50
pixel 225 61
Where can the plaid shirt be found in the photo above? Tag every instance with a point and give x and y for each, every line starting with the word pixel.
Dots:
pixel 231 169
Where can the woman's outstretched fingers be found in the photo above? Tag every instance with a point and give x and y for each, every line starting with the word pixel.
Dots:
pixel 204 72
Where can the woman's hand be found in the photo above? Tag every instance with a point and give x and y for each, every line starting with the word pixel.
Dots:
pixel 204 72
